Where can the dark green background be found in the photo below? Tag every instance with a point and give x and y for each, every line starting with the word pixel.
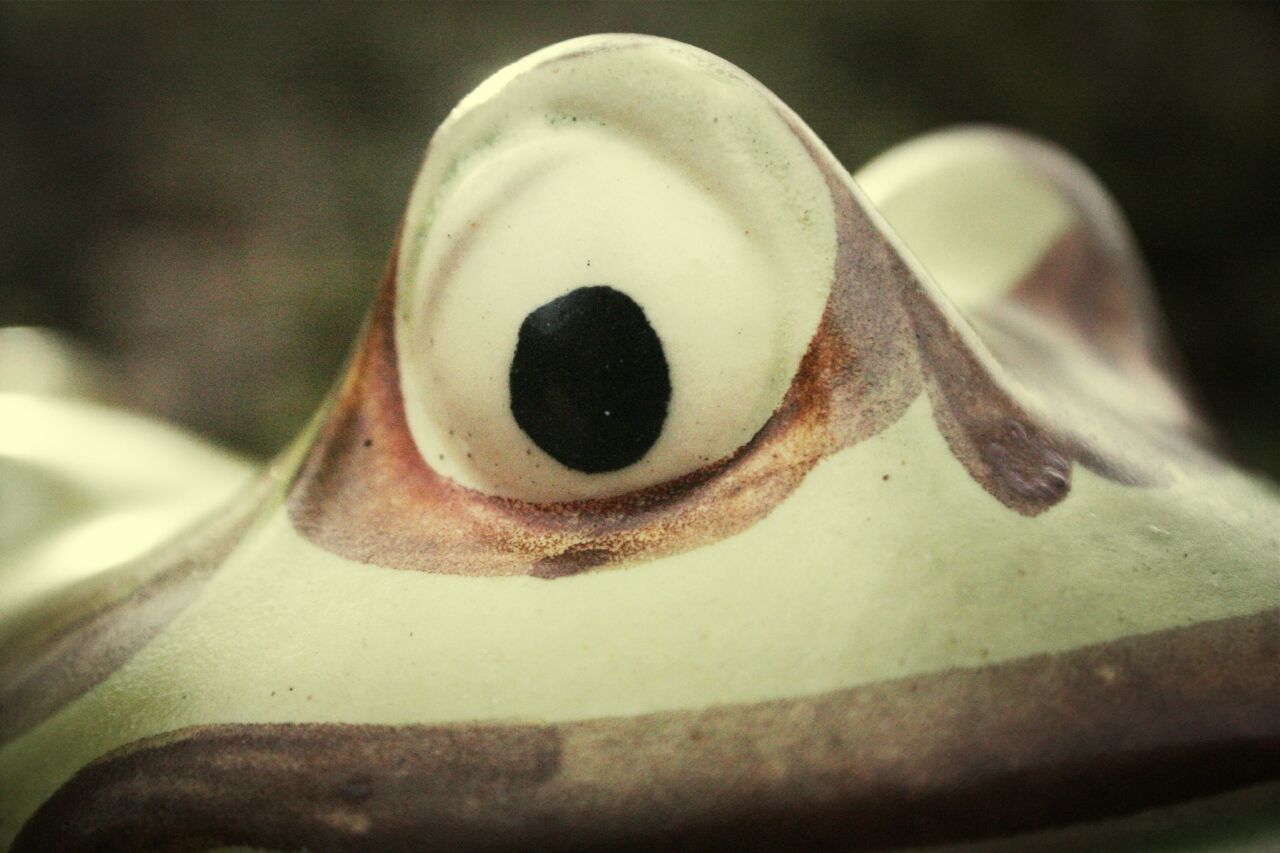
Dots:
pixel 206 193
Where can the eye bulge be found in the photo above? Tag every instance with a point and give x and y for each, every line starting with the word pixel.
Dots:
pixel 611 266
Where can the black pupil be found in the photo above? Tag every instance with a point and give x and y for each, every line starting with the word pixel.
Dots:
pixel 589 381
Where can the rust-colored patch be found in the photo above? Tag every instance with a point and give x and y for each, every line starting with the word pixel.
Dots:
pixel 366 493
pixel 90 631
pixel 1046 741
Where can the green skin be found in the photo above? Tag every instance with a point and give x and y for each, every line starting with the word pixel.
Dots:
pixel 963 567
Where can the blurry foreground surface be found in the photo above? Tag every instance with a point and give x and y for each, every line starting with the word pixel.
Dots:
pixel 205 195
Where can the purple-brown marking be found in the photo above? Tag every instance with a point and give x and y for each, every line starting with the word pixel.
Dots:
pixel 1045 741
pixel 882 339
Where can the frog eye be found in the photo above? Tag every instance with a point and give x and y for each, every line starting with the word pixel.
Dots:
pixel 589 302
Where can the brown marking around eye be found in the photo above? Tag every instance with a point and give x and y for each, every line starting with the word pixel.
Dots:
pixel 1047 741
pixel 73 643
pixel 882 339
pixel 386 506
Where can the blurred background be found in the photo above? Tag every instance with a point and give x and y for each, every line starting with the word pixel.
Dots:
pixel 204 195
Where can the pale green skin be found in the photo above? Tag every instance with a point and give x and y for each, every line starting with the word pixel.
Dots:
pixel 918 573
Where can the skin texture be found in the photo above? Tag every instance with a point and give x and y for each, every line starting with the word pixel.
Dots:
pixel 977 572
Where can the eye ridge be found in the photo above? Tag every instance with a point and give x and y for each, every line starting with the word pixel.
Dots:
pixel 589 380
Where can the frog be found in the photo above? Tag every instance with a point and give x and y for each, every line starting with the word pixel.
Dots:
pixel 682 489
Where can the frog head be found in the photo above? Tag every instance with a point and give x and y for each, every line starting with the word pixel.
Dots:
pixel 683 488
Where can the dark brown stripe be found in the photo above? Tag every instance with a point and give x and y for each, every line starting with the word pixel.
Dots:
pixel 961 755
pixel 88 632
